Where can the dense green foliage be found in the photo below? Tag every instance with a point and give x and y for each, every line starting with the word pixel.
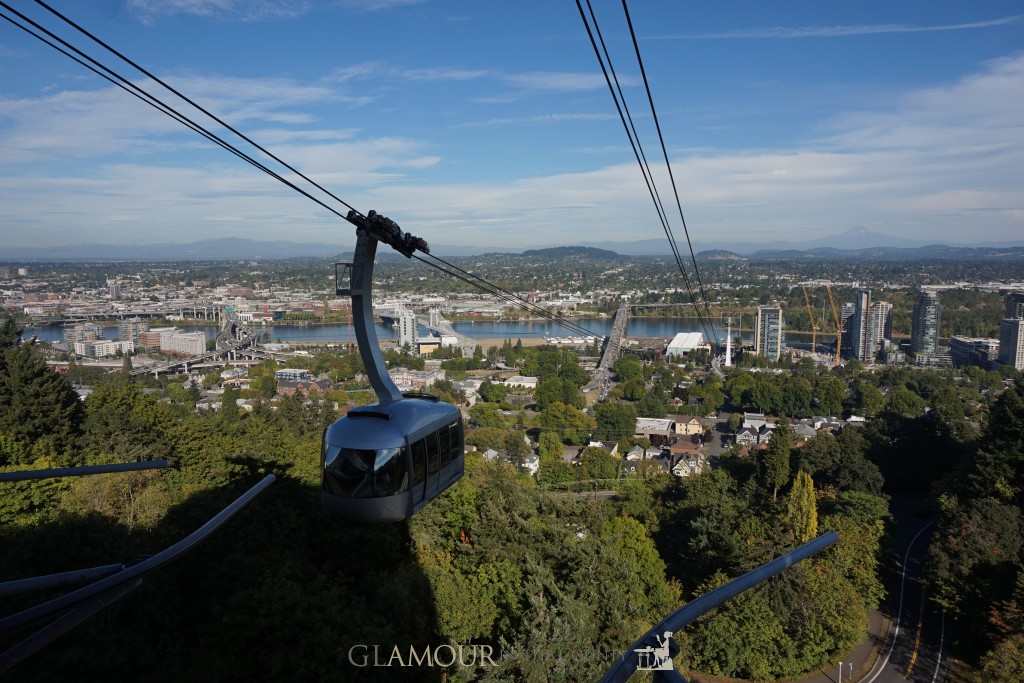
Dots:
pixel 977 553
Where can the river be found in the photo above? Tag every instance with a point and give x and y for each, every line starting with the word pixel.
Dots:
pixel 638 327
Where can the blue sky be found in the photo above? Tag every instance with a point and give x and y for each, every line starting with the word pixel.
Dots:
pixel 488 123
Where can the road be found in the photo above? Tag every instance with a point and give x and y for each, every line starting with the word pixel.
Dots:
pixel 913 649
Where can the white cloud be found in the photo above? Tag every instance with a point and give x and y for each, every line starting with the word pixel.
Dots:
pixel 834 31
pixel 539 118
pixel 943 163
pixel 82 123
pixel 562 80
pixel 377 5
pixel 557 81
pixel 246 10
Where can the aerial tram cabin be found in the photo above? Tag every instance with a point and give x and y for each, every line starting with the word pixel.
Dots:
pixel 383 462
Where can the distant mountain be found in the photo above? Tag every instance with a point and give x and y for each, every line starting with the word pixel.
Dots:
pixel 931 252
pixel 719 255
pixel 853 239
pixel 858 244
pixel 224 249
pixel 572 252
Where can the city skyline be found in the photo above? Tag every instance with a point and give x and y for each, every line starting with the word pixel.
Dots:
pixel 487 144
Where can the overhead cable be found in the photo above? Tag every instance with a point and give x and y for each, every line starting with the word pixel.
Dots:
pixel 664 150
pixel 640 159
pixel 155 102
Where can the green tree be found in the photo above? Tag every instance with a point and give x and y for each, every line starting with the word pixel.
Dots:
pixel 905 403
pixel 633 389
pixel 868 399
pixel 614 421
pixel 550 446
pixel 570 424
pixel 516 448
pixel 1005 663
pixel 549 390
pixel 39 409
pixel 829 394
pixel 229 404
pixel 488 415
pixel 802 508
pixel 597 463
pixel 651 405
pixel 775 461
pixel 628 368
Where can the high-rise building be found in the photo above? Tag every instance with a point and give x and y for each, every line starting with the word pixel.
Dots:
pixel 926 321
pixel 879 325
pixel 114 289
pixel 1011 342
pixel 130 329
pixel 82 332
pixel 978 351
pixel 407 332
pixel 845 316
pixel 1014 305
pixel 768 332
pixel 860 328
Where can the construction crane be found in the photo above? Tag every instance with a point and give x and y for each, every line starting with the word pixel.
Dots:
pixel 838 323
pixel 810 315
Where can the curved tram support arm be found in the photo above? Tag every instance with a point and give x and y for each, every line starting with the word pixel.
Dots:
pixel 370 229
pixel 361 291
pixel 629 662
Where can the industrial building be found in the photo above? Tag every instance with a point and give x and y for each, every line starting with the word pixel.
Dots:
pixel 684 343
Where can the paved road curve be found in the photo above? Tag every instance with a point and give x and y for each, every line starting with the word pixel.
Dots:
pixel 913 651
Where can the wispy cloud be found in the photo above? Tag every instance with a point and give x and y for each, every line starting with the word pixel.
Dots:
pixel 558 81
pixel 377 5
pixel 539 118
pixel 245 10
pixel 834 31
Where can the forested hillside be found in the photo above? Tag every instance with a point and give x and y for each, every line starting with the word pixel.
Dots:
pixel 558 583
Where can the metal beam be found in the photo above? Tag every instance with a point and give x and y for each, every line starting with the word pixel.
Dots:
pixel 58 627
pixel 25 475
pixel 627 664
pixel 59 579
pixel 135 571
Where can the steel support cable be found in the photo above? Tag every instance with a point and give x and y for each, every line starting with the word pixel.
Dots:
pixel 504 295
pixel 645 166
pixel 213 116
pixel 64 623
pixel 165 108
pixel 636 154
pixel 572 327
pixel 664 151
pixel 510 297
pixel 135 571
pixel 74 576
pixel 638 150
pixel 192 102
pixel 151 100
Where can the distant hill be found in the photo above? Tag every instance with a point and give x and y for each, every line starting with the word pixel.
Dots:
pixel 573 252
pixel 243 249
pixel 224 249
pixel 931 252
pixel 719 255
